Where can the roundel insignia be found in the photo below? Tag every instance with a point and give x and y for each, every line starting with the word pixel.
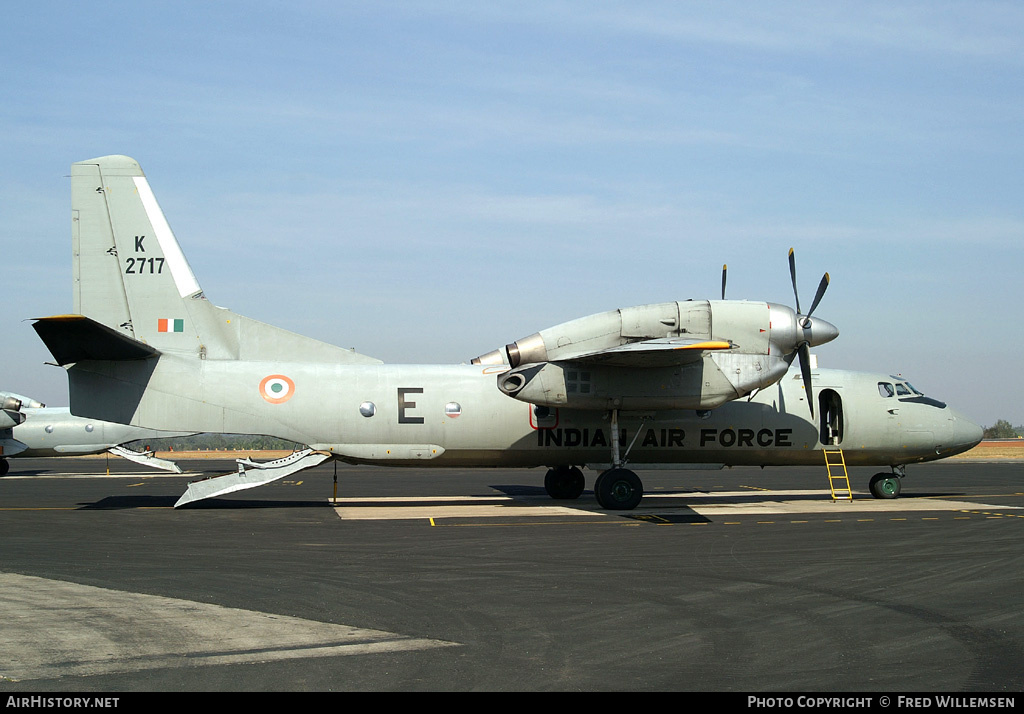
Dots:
pixel 277 389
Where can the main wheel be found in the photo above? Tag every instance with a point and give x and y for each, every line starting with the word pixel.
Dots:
pixel 618 490
pixel 885 485
pixel 564 482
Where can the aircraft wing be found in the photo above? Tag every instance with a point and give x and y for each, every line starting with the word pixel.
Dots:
pixel 658 352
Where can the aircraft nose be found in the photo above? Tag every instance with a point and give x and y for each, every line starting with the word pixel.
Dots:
pixel 966 434
pixel 819 331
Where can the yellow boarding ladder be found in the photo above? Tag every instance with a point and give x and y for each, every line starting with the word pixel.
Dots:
pixel 838 484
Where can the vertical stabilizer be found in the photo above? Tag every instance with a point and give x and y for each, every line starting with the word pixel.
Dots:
pixel 131 275
pixel 129 271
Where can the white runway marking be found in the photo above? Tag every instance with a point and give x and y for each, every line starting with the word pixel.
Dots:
pixel 709 505
pixel 53 628
pixel 411 508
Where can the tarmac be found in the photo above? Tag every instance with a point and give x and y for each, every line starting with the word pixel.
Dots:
pixel 736 580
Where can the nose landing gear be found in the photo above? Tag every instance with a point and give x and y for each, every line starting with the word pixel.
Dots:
pixel 889 485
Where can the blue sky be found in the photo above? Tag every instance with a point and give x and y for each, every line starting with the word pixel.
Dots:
pixel 427 181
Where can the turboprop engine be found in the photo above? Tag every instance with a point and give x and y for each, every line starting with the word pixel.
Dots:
pixel 10 411
pixel 674 355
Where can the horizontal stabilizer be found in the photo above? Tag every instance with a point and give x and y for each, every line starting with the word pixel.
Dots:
pixel 76 338
pixel 251 475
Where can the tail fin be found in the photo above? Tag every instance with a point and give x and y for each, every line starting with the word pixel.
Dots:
pixel 130 274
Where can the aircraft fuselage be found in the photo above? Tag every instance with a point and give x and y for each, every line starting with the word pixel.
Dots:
pixel 455 416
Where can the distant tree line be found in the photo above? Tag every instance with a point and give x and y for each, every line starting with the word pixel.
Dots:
pixel 1003 429
pixel 213 442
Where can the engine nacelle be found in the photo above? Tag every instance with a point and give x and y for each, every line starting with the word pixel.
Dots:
pixel 18 400
pixel 626 359
pixel 704 384
pixel 10 417
pixel 605 330
pixel 747 325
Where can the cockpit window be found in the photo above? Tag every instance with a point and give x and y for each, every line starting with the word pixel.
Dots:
pixel 915 390
pixel 902 390
pixel 885 389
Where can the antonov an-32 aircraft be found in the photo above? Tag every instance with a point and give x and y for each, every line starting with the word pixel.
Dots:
pixel 699 381
pixel 29 428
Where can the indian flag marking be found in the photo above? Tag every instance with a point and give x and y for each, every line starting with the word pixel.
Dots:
pixel 170 324
pixel 277 389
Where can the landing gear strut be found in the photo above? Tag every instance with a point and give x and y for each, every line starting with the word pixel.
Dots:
pixel 885 485
pixel 618 488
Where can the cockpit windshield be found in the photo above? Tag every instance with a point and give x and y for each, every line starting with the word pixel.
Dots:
pixel 903 387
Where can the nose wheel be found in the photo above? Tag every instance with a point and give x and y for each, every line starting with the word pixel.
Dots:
pixel 885 485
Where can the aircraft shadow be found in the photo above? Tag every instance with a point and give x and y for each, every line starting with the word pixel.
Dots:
pixel 691 516
pixel 665 498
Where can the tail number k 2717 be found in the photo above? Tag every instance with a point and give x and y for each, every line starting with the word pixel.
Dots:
pixel 148 266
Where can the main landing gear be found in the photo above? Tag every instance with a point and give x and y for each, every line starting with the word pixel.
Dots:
pixel 564 482
pixel 885 485
pixel 617 489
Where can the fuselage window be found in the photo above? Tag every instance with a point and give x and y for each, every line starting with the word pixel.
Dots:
pixel 885 389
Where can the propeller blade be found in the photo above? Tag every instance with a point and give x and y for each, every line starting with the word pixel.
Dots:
pixel 821 291
pixel 805 372
pixel 792 274
pixel 724 268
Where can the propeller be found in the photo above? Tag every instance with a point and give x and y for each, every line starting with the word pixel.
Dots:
pixel 724 269
pixel 803 348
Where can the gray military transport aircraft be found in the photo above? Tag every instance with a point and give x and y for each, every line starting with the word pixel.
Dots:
pixel 30 428
pixel 700 381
